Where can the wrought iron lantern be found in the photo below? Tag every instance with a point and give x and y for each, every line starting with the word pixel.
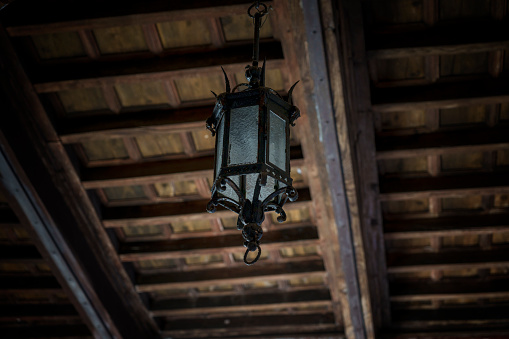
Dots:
pixel 252 160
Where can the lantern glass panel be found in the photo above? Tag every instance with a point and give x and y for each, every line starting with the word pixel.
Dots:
pixel 219 147
pixel 277 141
pixel 243 143
pixel 229 192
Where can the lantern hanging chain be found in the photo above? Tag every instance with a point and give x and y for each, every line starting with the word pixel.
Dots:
pixel 261 11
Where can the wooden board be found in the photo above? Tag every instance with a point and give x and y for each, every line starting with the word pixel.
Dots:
pixel 184 33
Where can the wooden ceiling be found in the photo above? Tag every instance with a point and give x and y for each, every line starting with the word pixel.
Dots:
pixel 401 160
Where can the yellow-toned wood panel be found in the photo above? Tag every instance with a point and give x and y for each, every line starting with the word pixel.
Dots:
pixel 177 188
pixel 463 64
pixel 400 69
pixel 137 231
pixel 298 251
pixel 467 272
pixel 402 120
pixel 21 233
pixel 462 161
pixel 273 79
pixel 159 145
pixel 462 115
pixel 461 240
pixel 419 243
pixel 293 216
pixel 503 157
pixel 84 99
pixel 240 27
pixel 459 9
pixel 215 288
pixel 184 33
pixel 500 238
pixel 43 268
pixel 405 206
pixel 105 149
pixel 397 11
pixel 124 193
pixel 11 267
pixel 199 88
pixel 141 94
pixel 58 45
pixel 156 264
pixel 501 201
pixel 191 226
pixel 504 110
pixel 307 281
pixel 261 285
pixel 203 140
pixel 229 223
pixel 122 39
pixel 471 202
pixel 410 275
pixel 297 174
pixel 204 259
pixel 407 165
pixel 172 292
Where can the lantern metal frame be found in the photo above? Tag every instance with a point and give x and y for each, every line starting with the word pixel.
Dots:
pixel 269 103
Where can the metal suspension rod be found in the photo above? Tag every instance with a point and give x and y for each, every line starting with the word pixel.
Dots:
pixel 256 40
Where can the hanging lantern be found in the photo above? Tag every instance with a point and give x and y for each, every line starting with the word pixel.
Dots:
pixel 252 160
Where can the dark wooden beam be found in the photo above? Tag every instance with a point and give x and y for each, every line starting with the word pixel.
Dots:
pixel 251 325
pixel 440 40
pixel 21 283
pixel 441 94
pixel 449 290
pixel 47 331
pixel 444 186
pixel 240 303
pixel 443 260
pixel 446 226
pixel 133 124
pixel 407 146
pixel 236 275
pixel 169 170
pixel 168 212
pixel 37 312
pixel 36 18
pixel 49 199
pixel 19 253
pixel 62 76
pixel 179 248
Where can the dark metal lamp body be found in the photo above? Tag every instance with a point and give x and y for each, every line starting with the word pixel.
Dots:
pixel 252 161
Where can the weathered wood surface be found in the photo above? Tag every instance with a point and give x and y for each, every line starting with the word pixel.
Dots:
pixel 236 275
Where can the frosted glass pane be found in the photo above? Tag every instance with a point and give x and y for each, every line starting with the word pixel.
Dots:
pixel 277 141
pixel 243 135
pixel 229 192
pixel 219 149
pixel 250 185
pixel 268 189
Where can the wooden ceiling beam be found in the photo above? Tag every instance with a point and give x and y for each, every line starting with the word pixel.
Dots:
pixel 24 253
pixel 169 170
pixel 250 325
pixel 450 290
pixel 273 239
pixel 445 260
pixel 21 283
pixel 133 124
pixel 441 95
pixel 65 76
pixel 167 212
pixel 446 226
pixel 97 14
pixel 241 303
pixel 46 331
pixel 467 141
pixel 440 40
pixel 38 312
pixel 444 186
pixel 230 276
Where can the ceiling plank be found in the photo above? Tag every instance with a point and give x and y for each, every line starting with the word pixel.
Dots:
pixel 38 312
pixel 444 186
pixel 47 331
pixel 241 303
pixel 407 146
pixel 441 94
pixel 440 40
pixel 230 276
pixel 444 260
pixel 273 239
pixel 167 212
pixel 446 226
